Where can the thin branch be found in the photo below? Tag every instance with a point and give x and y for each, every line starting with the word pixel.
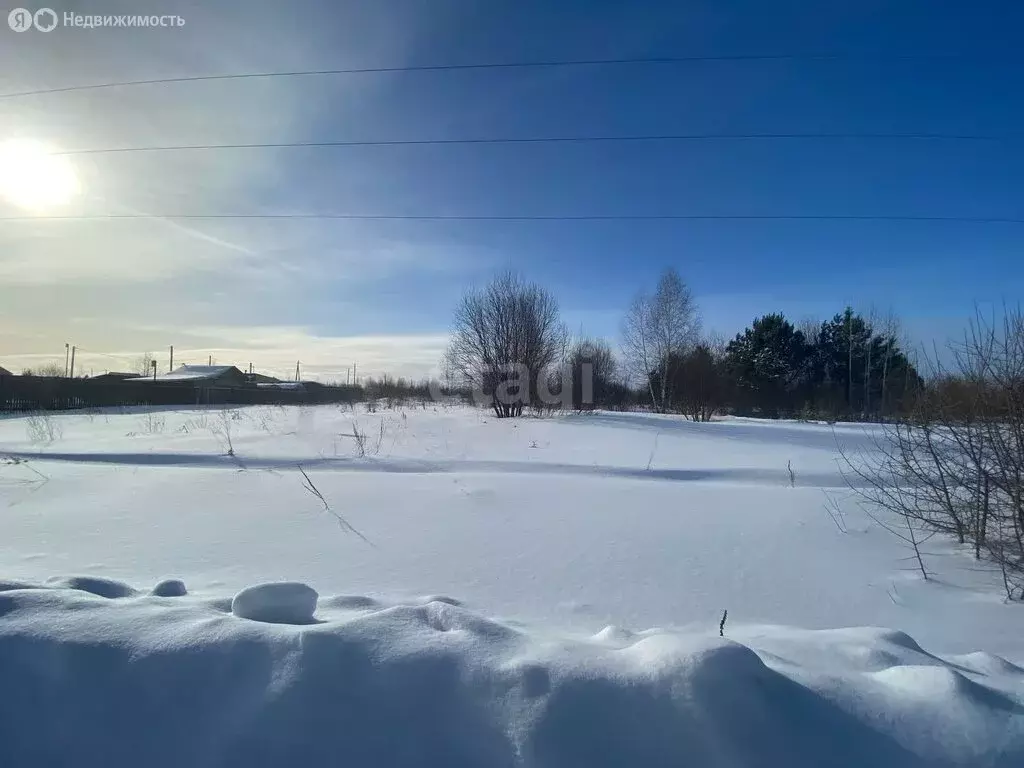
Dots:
pixel 345 524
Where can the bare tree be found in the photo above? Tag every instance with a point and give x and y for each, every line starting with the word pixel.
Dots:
pixel 592 366
pixel 890 330
pixel 810 327
pixel 849 359
pixel 143 365
pixel 505 338
pixel 638 344
pixel 869 341
pixel 657 331
pixel 50 370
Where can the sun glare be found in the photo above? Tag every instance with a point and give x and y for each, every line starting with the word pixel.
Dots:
pixel 33 178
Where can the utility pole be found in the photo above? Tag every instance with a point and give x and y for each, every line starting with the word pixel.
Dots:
pixel 67 350
pixel 210 360
pixel 172 359
pixel 354 379
pixel 153 363
pixel 72 362
pixel 296 370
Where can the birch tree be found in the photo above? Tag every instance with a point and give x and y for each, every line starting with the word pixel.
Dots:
pixel 657 332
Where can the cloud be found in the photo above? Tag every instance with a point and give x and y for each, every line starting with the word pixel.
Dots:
pixel 277 348
pixel 272 349
pixel 115 286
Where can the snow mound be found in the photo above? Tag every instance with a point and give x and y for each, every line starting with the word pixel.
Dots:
pixel 440 599
pixel 983 663
pixel 349 602
pixel 92 681
pixel 613 635
pixel 282 602
pixel 95 585
pixel 169 588
pixel 8 584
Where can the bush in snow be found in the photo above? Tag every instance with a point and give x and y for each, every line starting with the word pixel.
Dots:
pixel 222 430
pixel 955 466
pixel 505 338
pixel 42 428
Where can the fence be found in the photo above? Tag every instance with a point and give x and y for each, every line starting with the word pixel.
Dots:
pixel 43 393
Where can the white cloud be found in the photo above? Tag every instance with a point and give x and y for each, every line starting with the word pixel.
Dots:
pixel 271 349
pixel 277 348
pixel 107 284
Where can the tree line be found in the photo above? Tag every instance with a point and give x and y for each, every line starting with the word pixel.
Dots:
pixel 948 460
pixel 509 344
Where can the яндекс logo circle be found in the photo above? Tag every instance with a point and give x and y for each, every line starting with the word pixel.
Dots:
pixel 22 19
pixel 19 19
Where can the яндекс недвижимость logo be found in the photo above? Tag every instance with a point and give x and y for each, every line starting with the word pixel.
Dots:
pixel 22 19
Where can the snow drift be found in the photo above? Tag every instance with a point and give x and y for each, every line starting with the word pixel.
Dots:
pixel 96 673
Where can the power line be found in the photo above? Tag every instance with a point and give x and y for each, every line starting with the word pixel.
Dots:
pixel 559 140
pixel 584 217
pixel 648 60
pixel 119 359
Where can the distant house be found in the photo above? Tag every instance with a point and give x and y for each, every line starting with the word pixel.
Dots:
pixel 202 376
pixel 112 376
pixel 5 372
pixel 261 378
pixel 295 386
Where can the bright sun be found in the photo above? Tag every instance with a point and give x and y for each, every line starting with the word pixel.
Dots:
pixel 34 178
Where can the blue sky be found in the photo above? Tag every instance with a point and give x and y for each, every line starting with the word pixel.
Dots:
pixel 381 293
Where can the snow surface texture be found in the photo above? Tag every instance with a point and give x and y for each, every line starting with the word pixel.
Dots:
pixel 580 522
pixel 561 537
pixel 113 682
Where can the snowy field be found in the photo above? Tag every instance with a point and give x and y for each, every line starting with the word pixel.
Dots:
pixel 539 591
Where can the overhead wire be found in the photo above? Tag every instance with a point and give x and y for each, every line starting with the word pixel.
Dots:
pixel 525 217
pixel 498 65
pixel 655 137
pixel 669 137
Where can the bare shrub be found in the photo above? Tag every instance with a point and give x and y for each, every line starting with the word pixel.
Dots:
pixel 152 424
pixel 505 338
pixel 593 367
pixel 200 422
pixel 360 438
pixel 49 370
pixel 42 428
pixel 264 420
pixel 700 383
pixel 835 512
pixel 221 429
pixel 955 467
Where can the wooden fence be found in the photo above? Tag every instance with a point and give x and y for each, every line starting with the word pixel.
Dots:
pixel 44 393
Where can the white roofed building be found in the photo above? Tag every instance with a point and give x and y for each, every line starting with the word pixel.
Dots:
pixel 205 375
